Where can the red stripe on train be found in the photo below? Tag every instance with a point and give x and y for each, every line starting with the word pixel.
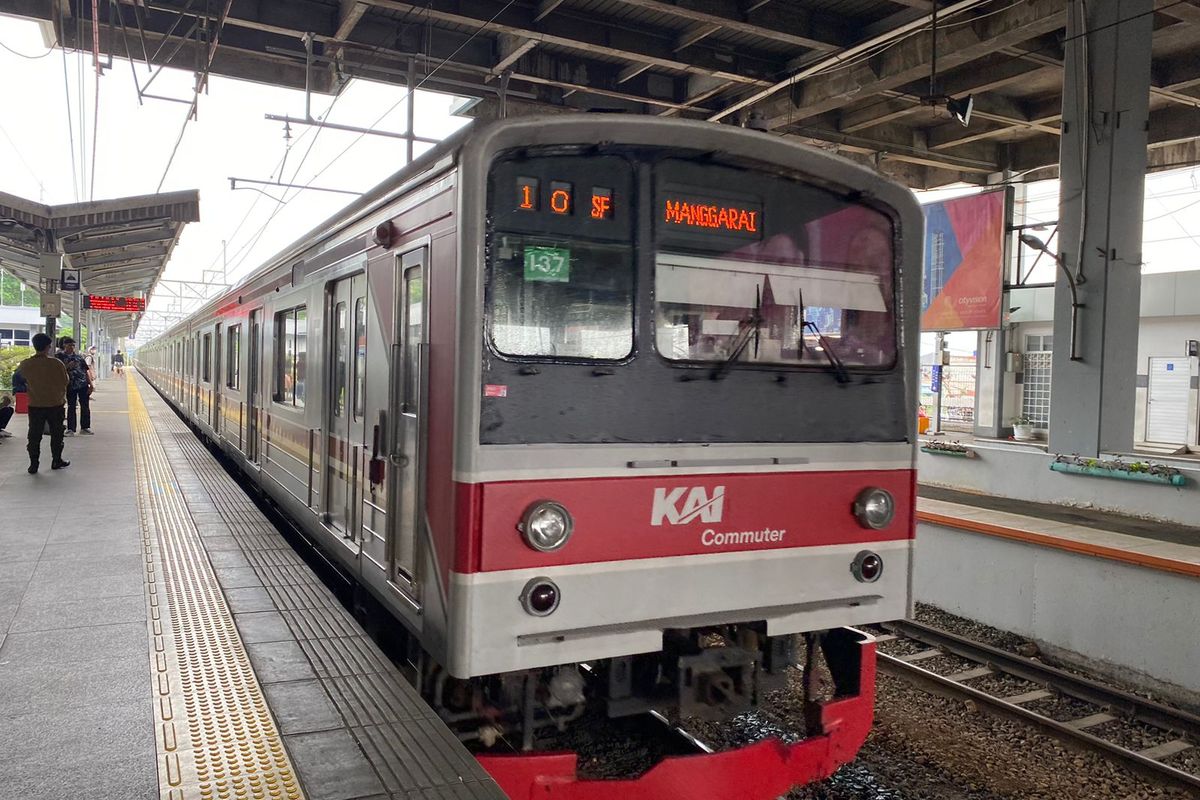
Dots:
pixel 618 519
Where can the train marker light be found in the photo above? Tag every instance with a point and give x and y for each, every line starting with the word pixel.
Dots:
pixel 866 567
pixel 874 508
pixel 540 597
pixel 546 526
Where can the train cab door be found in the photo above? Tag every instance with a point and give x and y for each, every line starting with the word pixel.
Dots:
pixel 344 410
pixel 410 384
pixel 253 400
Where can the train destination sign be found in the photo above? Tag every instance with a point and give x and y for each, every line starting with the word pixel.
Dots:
pixel 560 199
pixel 100 302
pixel 719 216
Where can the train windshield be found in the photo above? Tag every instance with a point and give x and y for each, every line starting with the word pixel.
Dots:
pixel 561 297
pixel 745 267
pixel 773 271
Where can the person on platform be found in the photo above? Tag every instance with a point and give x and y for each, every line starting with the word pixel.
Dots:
pixel 79 389
pixel 118 362
pixel 6 415
pixel 47 380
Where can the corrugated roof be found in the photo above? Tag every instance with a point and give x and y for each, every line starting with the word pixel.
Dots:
pixel 120 246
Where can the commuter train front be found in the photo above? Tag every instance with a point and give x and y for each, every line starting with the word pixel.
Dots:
pixel 639 411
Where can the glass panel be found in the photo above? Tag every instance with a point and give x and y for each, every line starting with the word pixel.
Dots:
pixel 287 365
pixel 784 299
pixel 561 297
pixel 206 358
pixel 233 366
pixel 301 354
pixel 414 296
pixel 360 353
pixel 340 355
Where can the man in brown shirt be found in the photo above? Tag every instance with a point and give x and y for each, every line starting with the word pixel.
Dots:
pixel 47 379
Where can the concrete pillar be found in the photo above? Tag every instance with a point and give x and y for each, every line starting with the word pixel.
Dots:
pixel 1102 164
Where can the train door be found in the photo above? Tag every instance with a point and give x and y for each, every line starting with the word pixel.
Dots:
pixel 215 385
pixel 344 410
pixel 253 400
pixel 410 383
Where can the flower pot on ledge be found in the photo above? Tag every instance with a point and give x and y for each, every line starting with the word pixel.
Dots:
pixel 1024 433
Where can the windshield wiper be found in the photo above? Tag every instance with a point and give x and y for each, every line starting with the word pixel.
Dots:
pixel 835 361
pixel 750 328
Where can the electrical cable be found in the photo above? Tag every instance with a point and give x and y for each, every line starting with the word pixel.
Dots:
pixel 70 125
pixel 95 136
pixel 411 93
pixel 22 55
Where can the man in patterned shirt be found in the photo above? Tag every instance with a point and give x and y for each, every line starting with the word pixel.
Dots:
pixel 79 390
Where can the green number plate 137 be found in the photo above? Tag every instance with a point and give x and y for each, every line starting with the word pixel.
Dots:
pixel 547 264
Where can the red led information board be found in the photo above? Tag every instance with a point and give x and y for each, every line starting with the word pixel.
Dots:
pixel 100 302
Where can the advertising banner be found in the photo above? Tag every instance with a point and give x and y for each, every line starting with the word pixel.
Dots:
pixel 963 282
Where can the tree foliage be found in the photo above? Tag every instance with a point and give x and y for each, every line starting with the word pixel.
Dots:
pixel 10 357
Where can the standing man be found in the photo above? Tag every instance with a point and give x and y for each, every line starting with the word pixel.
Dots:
pixel 79 387
pixel 47 379
pixel 118 362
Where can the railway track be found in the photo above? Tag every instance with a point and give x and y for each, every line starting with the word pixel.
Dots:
pixel 1110 705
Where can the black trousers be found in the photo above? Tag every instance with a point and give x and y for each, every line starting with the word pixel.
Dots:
pixel 39 418
pixel 85 408
pixel 6 414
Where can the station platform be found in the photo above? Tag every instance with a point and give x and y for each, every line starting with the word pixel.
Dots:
pixel 1143 542
pixel 1109 593
pixel 160 638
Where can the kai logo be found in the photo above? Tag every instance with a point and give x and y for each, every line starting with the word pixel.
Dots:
pixel 697 504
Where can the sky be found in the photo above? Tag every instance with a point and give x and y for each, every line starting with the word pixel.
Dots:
pixel 40 131
pixel 46 153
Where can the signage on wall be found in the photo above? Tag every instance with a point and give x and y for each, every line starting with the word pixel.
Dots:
pixel 70 280
pixel 963 282
pixel 100 302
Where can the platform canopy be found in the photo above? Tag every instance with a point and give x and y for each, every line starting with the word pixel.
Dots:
pixel 847 75
pixel 119 246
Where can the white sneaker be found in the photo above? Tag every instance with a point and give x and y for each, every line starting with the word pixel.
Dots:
pixel 5 434
pixel 87 432
pixel 68 432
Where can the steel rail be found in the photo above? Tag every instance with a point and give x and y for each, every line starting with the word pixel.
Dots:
pixel 1130 705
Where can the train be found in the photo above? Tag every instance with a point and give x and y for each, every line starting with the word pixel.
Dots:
pixel 608 412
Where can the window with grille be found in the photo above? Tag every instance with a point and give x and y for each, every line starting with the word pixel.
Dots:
pixel 1035 398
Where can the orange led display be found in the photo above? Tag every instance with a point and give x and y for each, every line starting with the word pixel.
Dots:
pixel 527 194
pixel 713 216
pixel 560 197
pixel 602 206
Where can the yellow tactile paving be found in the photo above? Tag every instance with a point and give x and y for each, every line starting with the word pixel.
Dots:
pixel 216 737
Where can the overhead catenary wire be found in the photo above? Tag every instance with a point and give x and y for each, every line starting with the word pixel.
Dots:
pixel 409 95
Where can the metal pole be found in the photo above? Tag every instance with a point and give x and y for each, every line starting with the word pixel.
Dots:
pixel 77 317
pixel 308 53
pixel 412 104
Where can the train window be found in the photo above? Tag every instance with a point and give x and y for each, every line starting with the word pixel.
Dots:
pixel 233 363
pixel 206 359
pixel 291 350
pixel 414 297
pixel 562 297
pixel 792 275
pixel 360 354
pixel 340 356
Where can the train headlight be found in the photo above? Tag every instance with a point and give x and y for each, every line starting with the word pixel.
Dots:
pixel 546 526
pixel 875 508
pixel 866 567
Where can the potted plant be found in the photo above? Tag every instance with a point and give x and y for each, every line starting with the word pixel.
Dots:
pixel 1023 428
